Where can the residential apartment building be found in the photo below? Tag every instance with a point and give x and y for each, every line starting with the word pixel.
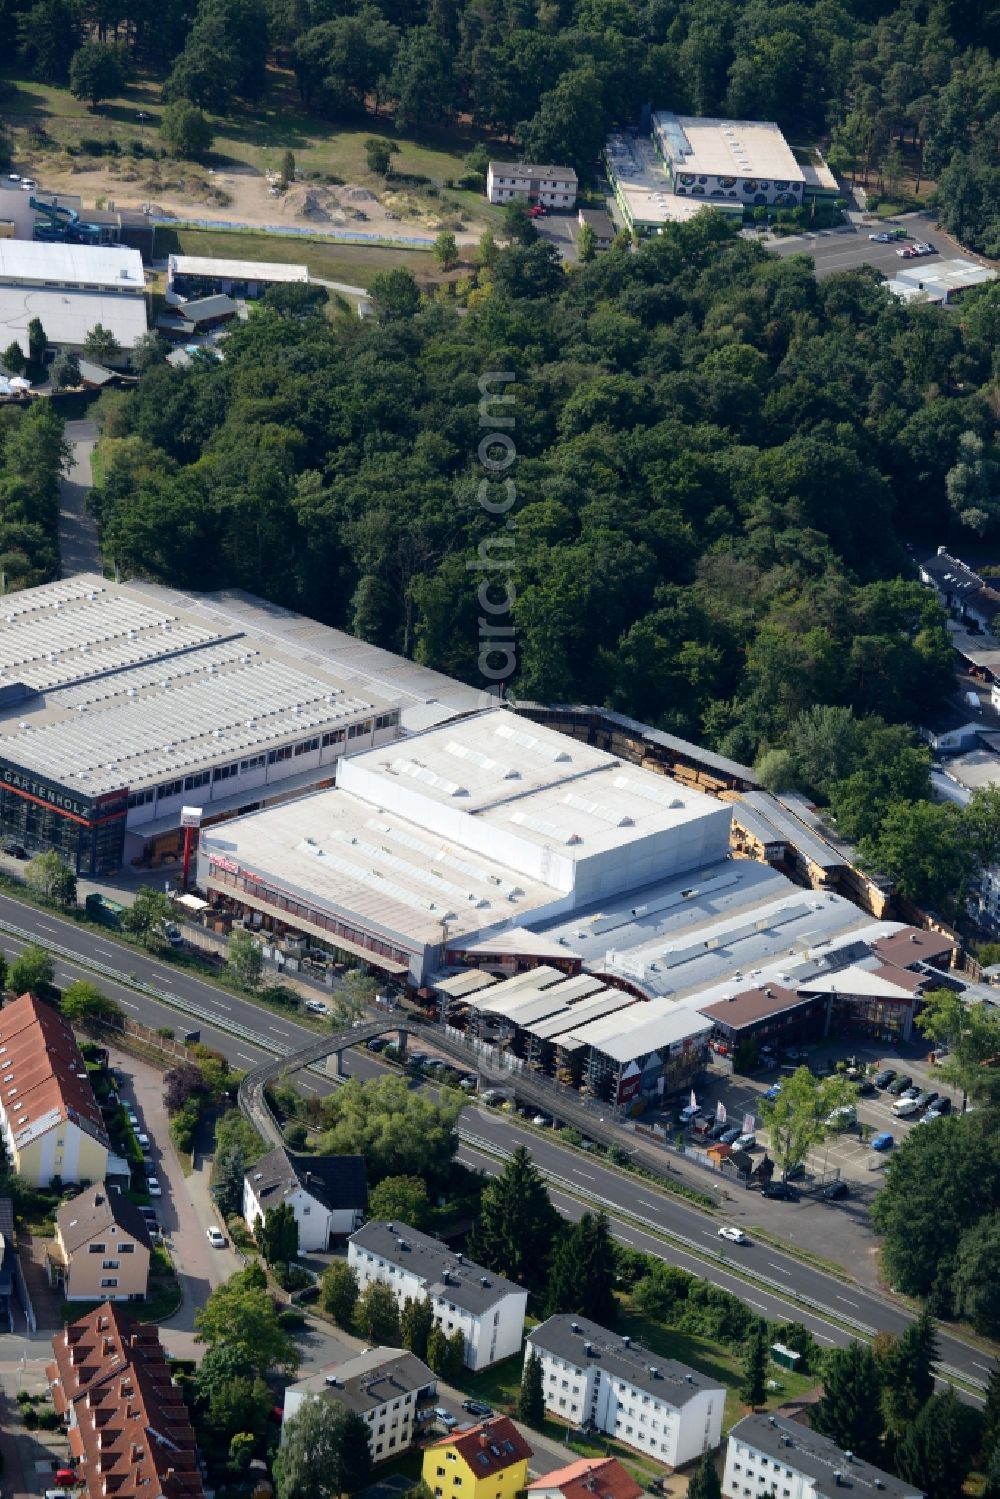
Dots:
pixel 587 1478
pixel 489 1461
pixel 593 1377
pixel 965 595
pixel 327 1194
pixel 101 1248
pixel 551 187
pixel 488 1308
pixel 50 1121
pixel 769 1456
pixel 130 1435
pixel 387 1387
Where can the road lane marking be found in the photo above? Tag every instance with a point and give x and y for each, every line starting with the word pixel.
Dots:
pixel 848 1303
pixel 245 1057
pixel 106 952
pixel 275 1030
pixel 166 978
pixel 586 1174
pixel 822 1337
pixel 128 1004
pixel 759 1304
pixel 980 1366
pixel 644 1204
pixel 780 1268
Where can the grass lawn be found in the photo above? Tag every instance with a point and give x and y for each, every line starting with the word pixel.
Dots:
pixel 499 1385
pixel 353 264
pixel 258 137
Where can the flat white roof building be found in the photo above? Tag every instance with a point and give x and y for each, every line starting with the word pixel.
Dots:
pixel 119 704
pixel 460 833
pixel 768 1454
pixel 207 267
pixel 70 289
pixel 941 281
pixel 643 189
pixel 726 148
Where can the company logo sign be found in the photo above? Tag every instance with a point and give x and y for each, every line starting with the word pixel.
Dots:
pixel 63 801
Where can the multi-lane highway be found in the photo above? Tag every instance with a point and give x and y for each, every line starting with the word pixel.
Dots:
pixel 248 1034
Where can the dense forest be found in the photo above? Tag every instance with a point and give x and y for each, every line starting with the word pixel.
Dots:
pixel 715 461
pixel 32 457
pixel 870 76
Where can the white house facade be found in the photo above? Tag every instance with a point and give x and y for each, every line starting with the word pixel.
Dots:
pixel 593 1377
pixel 386 1387
pixel 488 1308
pixel 549 186
pixel 327 1194
pixel 766 1455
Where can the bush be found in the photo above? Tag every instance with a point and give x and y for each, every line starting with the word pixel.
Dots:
pixel 291 1319
pixel 30 1417
pixel 48 1420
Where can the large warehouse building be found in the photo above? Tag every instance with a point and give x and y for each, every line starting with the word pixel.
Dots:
pixel 465 831
pixel 121 704
pixel 70 289
pixel 572 914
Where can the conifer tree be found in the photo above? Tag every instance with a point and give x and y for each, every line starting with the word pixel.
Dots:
pixel 754 1387
pixel 531 1400
pixel 517 1224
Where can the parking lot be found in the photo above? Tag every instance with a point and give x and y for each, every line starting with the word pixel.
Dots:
pixel 848 246
pixel 847 1154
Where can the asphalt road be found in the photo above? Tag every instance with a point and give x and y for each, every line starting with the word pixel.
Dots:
pixel 847 247
pixel 616 1192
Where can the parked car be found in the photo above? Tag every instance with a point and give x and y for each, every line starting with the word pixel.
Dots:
pixel 477 1407
pixel 536 211
pixel 153 1187
pixel 543 1121
pixel 719 1128
pixel 884 1078
pixel 881 239
pixel 781 1192
pixel 467 1084
pixel 688 1113
pixel 773 1092
pixel 883 1142
pixel 913 1091
pixel 377 1043
pixel 795 1171
pixel 733 1234
pixel 833 1191
pixel 316 1007
pixel 922 248
pixel 866 1088
pixel 923 1099
pixel 843 1117
pixel 904 1107
pixel 900 1085
pixel 745 1142
pixel 172 932
pixel 419 1058
pixel 445 1417
pixel 216 1237
pixel 731 1135
pixel 943 1104
pixel 15 851
pixel 143 1140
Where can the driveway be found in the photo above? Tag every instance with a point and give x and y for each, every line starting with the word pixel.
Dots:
pixel 78 549
pixel 185 1210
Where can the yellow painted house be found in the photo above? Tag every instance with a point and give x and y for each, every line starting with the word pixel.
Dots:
pixel 488 1461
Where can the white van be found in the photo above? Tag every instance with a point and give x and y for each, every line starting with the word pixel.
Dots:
pixel 904 1107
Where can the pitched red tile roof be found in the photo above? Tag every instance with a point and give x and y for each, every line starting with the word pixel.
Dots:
pixel 132 1437
pixel 590 1478
pixel 490 1447
pixel 42 1072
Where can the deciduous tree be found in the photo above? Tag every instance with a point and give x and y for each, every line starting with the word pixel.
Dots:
pixel 324 1452
pixel 376 1315
pixel 339 1292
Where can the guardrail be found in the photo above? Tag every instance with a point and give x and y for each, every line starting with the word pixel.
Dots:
pixel 742 1272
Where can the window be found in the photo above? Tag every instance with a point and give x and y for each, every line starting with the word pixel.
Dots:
pixel 307 746
pixel 108 1284
pixel 98 1249
pixel 387 720
pixel 355 730
pixel 255 762
pixel 111 1265
pixel 126 1249
pixel 276 755
pixel 199 778
pixel 335 736
pixel 306 1212
pixel 169 788
pixel 440 1474
pixel 142 798
pixel 223 772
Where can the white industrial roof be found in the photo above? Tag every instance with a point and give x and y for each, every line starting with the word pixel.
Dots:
pixel 856 980
pixel 348 856
pixel 533 783
pixel 93 266
pixel 125 689
pixel 68 315
pixel 946 275
pixel 644 184
pixel 642 1028
pixel 236 270
pixel 727 148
